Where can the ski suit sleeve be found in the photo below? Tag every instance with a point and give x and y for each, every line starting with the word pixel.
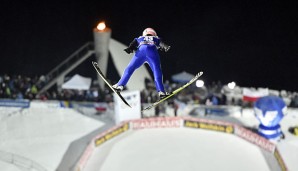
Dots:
pixel 132 46
pixel 164 47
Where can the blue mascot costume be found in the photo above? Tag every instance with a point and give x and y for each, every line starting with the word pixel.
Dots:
pixel 269 110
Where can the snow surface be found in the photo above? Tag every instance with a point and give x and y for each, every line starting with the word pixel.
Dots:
pixel 8 167
pixel 42 134
pixel 178 149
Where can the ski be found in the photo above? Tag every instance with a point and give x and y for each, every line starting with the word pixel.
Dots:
pixel 95 65
pixel 175 91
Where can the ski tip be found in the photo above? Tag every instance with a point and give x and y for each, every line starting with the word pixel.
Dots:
pixel 94 63
pixel 200 73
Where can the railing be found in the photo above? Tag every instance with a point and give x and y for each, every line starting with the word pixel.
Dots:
pixel 68 64
pixel 20 161
pixel 70 60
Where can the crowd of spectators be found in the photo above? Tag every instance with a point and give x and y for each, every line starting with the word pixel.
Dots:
pixel 20 87
pixel 211 94
pixel 24 87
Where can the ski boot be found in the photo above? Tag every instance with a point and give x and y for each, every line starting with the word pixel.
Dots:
pixel 118 88
pixel 163 95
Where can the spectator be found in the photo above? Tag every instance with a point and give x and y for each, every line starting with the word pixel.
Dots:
pixel 34 90
pixel 214 100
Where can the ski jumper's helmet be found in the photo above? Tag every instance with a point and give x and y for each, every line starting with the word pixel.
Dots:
pixel 150 31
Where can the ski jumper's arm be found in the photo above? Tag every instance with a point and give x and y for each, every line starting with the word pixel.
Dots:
pixel 132 46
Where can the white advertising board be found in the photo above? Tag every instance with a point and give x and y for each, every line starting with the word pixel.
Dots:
pixel 123 112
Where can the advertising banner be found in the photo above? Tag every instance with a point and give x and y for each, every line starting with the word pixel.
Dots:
pixel 214 126
pixel 280 160
pixel 15 103
pixel 296 131
pixel 123 112
pixel 254 138
pixel 45 104
pixel 156 123
pixel 111 134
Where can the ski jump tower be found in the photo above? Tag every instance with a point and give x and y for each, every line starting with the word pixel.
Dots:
pixel 102 36
pixel 103 47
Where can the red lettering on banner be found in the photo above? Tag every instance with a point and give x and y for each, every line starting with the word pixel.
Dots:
pixel 254 138
pixel 156 123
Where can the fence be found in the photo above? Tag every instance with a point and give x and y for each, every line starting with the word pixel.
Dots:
pixel 20 161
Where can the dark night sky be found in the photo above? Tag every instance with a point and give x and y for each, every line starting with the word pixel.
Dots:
pixel 254 43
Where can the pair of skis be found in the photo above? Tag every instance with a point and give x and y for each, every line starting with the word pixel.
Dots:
pixel 197 76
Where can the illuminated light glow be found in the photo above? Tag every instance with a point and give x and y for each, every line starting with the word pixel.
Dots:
pixel 232 85
pixel 199 83
pixel 101 26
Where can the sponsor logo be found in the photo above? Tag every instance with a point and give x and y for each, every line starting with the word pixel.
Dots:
pixel 210 126
pixel 296 131
pixel 280 160
pixel 156 123
pixel 111 134
pixel 254 138
pixel 65 104
pixel 84 158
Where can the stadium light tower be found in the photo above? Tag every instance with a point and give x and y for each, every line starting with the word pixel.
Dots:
pixel 102 35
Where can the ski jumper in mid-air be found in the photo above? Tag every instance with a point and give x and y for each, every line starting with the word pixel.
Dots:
pixel 146 51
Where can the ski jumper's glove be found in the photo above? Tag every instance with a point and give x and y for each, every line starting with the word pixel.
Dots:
pixel 128 50
pixel 132 46
pixel 164 47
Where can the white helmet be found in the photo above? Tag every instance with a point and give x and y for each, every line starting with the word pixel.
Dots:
pixel 150 31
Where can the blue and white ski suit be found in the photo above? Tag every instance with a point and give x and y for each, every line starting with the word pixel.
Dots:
pixel 146 52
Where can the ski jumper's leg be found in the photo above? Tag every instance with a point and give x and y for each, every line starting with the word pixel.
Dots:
pixel 153 60
pixel 137 60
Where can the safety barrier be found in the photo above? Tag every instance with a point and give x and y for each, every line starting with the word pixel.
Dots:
pixel 20 161
pixel 180 122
